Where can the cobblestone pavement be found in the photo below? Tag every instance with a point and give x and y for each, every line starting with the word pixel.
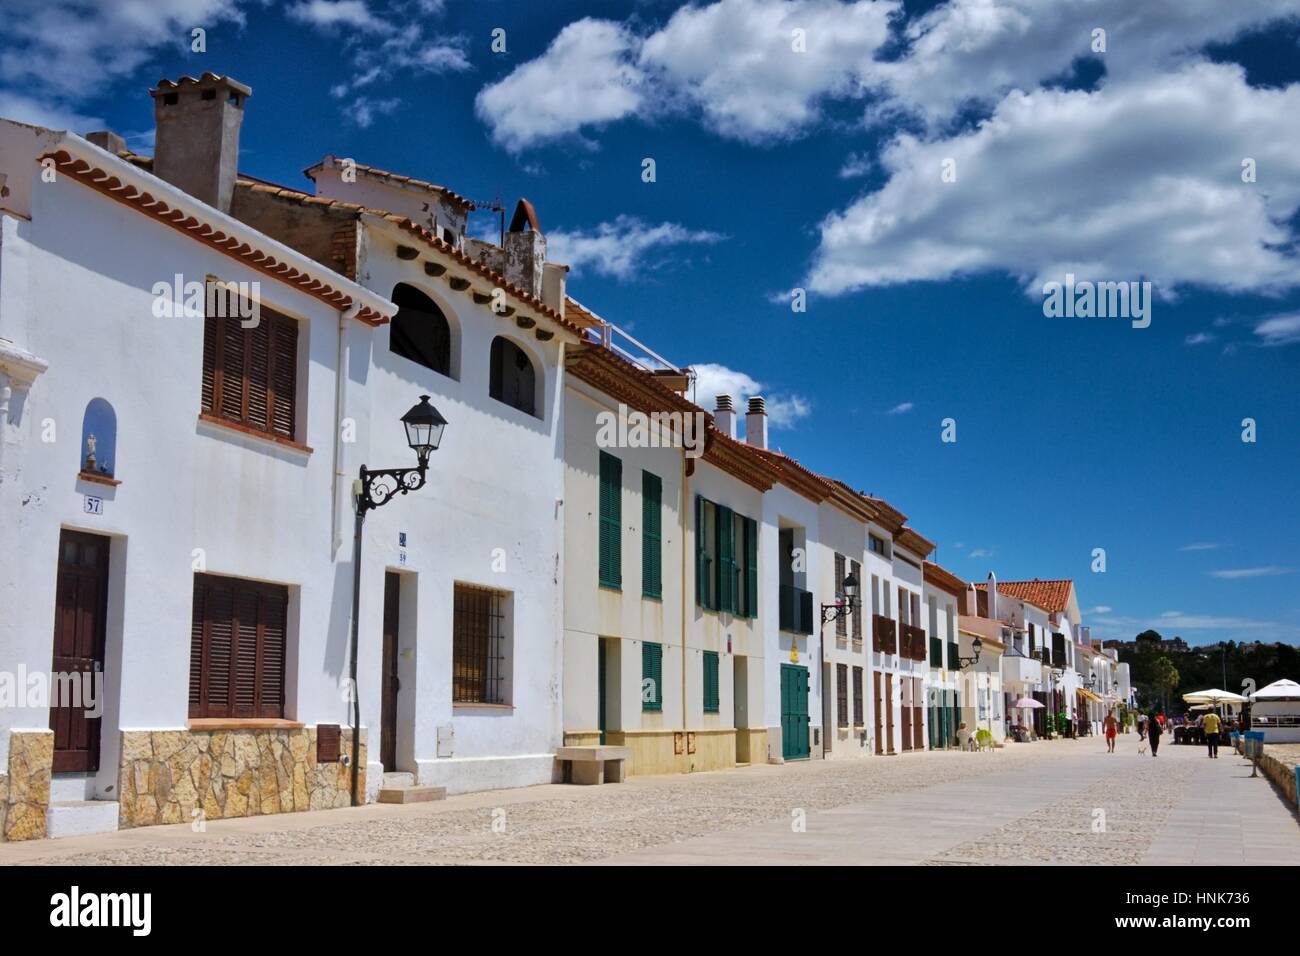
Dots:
pixel 1029 803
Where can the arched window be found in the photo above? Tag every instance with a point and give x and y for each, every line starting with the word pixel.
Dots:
pixel 513 379
pixel 420 332
pixel 98 455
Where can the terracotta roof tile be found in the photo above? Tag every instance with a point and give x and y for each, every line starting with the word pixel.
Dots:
pixel 1051 595
pixel 265 262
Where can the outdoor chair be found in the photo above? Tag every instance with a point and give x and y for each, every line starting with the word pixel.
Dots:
pixel 983 739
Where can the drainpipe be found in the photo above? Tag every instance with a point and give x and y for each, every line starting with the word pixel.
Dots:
pixel 340 404
pixel 688 467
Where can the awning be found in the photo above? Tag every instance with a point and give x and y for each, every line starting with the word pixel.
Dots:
pixel 1089 695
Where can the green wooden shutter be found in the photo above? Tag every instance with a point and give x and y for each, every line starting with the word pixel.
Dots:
pixel 751 568
pixel 611 521
pixel 726 550
pixel 651 535
pixel 652 657
pixel 701 556
pixel 711 694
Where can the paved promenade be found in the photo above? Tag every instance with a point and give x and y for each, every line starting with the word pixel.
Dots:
pixel 1054 802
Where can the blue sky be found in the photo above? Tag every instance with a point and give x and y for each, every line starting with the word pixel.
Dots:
pixel 819 169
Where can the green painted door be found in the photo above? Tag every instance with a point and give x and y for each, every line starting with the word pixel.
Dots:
pixel 600 688
pixel 794 712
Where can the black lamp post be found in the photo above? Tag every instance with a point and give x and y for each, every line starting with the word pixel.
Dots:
pixel 377 487
pixel 831 612
pixel 965 662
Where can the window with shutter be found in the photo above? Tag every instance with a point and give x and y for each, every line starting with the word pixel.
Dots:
pixel 841 625
pixel 856 616
pixel 751 568
pixel 842 694
pixel 857 697
pixel 237 648
pixel 711 693
pixel 611 521
pixel 725 528
pixel 702 576
pixel 250 375
pixel 652 659
pixel 651 535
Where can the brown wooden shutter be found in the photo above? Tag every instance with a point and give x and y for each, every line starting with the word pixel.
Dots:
pixel 209 390
pixel 284 375
pixel 237 648
pixel 250 375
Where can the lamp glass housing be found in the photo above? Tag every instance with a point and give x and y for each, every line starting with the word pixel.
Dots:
pixel 424 427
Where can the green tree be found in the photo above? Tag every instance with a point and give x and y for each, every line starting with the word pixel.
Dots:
pixel 1164 678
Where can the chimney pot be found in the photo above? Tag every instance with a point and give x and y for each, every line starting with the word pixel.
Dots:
pixel 756 422
pixel 724 416
pixel 196 141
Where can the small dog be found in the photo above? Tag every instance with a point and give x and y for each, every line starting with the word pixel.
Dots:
pixel 1142 743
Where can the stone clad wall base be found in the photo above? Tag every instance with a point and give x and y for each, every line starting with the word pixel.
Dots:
pixel 751 745
pixel 25 788
pixel 653 751
pixel 582 738
pixel 166 775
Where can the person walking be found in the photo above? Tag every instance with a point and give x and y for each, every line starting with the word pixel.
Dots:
pixel 1111 726
pixel 1211 727
pixel 1154 730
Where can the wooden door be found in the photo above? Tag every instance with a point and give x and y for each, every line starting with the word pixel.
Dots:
pixel 906 713
pixel 879 710
pixel 794 712
pixel 80 610
pixel 918 727
pixel 391 684
pixel 889 712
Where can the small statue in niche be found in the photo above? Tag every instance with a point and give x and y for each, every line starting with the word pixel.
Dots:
pixel 90 453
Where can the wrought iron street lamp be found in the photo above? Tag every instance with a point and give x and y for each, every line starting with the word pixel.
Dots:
pixel 965 662
pixel 849 588
pixel 375 487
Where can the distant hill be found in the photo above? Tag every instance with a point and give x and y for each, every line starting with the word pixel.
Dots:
pixel 1202 667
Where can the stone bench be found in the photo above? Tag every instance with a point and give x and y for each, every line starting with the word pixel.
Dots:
pixel 598 764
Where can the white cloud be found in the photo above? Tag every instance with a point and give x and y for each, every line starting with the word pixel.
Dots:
pixel 733 63
pixel 586 76
pixel 381 45
pixel 364 110
pixel 976 51
pixel 1154 192
pixel 619 248
pixel 901 409
pixel 330 14
pixel 1280 329
pixel 58 54
pixel 1199 338
pixel 712 380
pixel 981 553
pixel 1101 609
pixel 1267 571
pixel 1200 546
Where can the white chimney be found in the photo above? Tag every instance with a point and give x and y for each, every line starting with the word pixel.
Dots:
pixel 724 416
pixel 993 598
pixel 756 423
